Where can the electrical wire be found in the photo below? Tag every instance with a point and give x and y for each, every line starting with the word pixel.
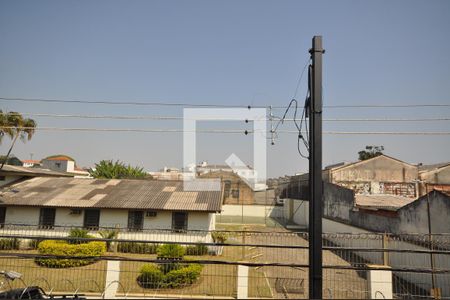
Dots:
pixel 158 103
pixel 155 117
pixel 238 131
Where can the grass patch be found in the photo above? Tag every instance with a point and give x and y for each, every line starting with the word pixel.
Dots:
pixel 89 279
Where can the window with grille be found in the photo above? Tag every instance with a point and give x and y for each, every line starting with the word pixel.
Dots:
pixel 135 220
pixel 47 218
pixel 91 219
pixel 179 221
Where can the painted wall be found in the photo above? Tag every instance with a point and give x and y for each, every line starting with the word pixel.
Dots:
pixel 59 165
pixel 22 215
pixel 109 218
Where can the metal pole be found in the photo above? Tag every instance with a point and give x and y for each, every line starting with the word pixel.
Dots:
pixel 430 240
pixel 315 172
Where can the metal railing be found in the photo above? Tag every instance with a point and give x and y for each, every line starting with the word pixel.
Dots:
pixel 277 261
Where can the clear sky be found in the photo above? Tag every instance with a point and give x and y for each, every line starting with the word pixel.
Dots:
pixel 224 52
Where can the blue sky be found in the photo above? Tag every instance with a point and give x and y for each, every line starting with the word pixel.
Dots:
pixel 227 52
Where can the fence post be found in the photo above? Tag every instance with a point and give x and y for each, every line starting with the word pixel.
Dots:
pixel 242 282
pixel 385 247
pixel 112 279
pixel 380 282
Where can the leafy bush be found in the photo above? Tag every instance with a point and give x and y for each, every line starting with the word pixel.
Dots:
pixel 141 248
pixel 9 244
pixel 153 276
pixel 198 249
pixel 109 234
pixel 171 251
pixel 219 237
pixel 51 247
pixel 79 233
pixel 183 276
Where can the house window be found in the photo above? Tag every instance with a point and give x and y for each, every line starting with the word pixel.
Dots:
pixel 179 221
pixel 47 218
pixel 226 189
pixel 2 178
pixel 2 216
pixel 135 220
pixel 235 193
pixel 91 219
pixel 58 165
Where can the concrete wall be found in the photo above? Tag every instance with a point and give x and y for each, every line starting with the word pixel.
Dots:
pixel 246 194
pixel 380 175
pixel 296 211
pixel 381 169
pixel 59 165
pixel 438 176
pixel 412 218
pixel 396 260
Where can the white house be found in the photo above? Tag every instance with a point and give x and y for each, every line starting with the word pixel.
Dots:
pixel 129 205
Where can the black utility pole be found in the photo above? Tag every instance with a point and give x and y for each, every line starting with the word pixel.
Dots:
pixel 315 171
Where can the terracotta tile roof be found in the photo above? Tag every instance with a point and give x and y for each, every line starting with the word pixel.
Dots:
pixel 104 193
pixel 31 161
pixel 59 157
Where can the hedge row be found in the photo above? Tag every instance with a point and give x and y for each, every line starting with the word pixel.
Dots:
pixel 51 247
pixel 152 276
pixel 141 248
pixel 9 244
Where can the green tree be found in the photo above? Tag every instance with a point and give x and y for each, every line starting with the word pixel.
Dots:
pixel 370 152
pixel 107 169
pixel 14 126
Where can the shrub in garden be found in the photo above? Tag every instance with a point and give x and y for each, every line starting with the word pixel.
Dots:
pixel 183 276
pixel 198 249
pixel 9 244
pixel 171 251
pixel 141 248
pixel 79 233
pixel 51 247
pixel 169 274
pixel 153 276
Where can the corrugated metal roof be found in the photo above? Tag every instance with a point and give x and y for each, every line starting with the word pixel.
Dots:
pixel 9 169
pixel 382 201
pixel 104 193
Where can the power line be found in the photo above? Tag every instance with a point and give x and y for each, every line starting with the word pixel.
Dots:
pixel 159 103
pixel 156 117
pixel 108 102
pixel 238 131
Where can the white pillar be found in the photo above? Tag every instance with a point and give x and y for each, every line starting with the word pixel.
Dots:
pixel 380 282
pixel 242 282
pixel 112 279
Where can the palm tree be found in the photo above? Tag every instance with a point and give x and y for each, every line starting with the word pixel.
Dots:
pixel 14 125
